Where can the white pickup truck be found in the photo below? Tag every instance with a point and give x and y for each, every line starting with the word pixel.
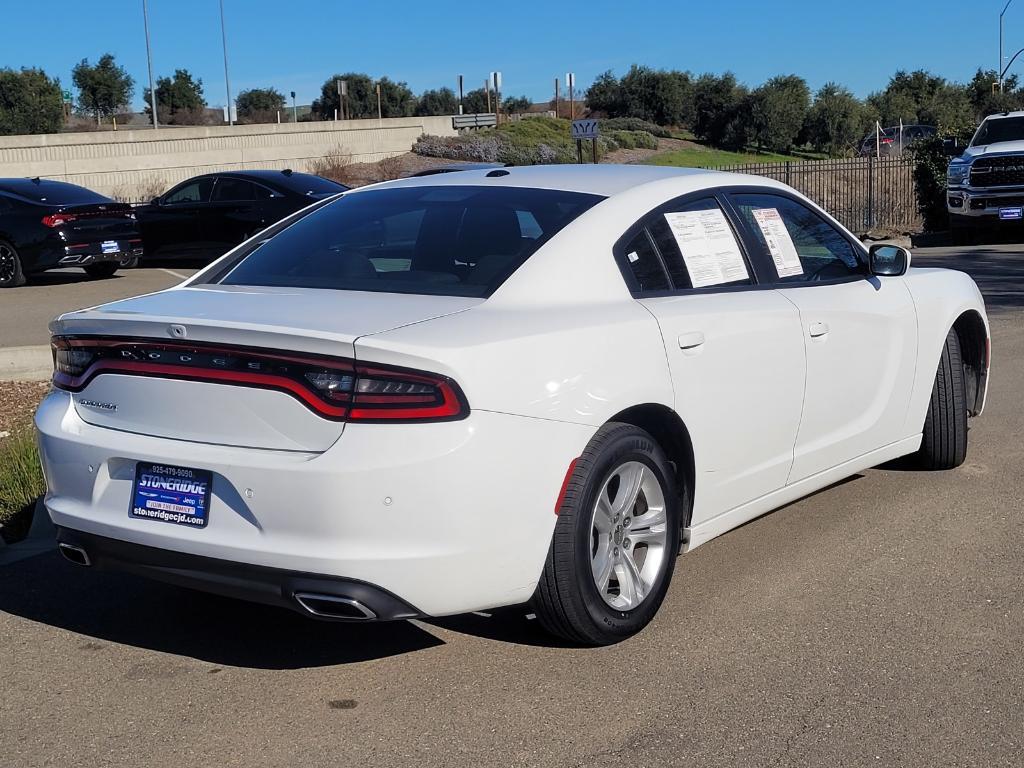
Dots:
pixel 985 184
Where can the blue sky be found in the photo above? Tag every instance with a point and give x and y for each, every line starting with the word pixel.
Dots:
pixel 297 44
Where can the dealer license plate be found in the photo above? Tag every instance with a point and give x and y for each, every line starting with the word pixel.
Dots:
pixel 171 494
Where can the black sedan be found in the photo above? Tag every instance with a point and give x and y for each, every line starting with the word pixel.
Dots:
pixel 47 224
pixel 208 215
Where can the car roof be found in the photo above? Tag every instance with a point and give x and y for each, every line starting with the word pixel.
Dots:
pixel 287 178
pixel 605 180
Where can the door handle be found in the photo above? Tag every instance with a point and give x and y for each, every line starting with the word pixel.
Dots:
pixel 817 330
pixel 691 340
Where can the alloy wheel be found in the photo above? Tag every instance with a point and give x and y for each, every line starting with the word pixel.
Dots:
pixel 629 534
pixel 8 264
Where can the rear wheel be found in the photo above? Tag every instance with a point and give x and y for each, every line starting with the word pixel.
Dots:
pixel 11 274
pixel 944 444
pixel 102 270
pixel 615 543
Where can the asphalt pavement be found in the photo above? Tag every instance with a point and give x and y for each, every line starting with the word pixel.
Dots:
pixel 25 311
pixel 876 623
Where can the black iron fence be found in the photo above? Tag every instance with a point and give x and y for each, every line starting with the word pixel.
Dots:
pixel 864 193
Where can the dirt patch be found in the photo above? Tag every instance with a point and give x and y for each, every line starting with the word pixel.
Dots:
pixel 18 401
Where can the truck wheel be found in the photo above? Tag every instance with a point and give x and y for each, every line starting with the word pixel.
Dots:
pixel 615 543
pixel 11 274
pixel 944 443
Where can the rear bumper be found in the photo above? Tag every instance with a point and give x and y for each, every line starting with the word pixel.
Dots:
pixel 317 595
pixel 448 517
pixel 57 254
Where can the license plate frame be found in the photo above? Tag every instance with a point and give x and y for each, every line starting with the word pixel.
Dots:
pixel 171 494
pixel 1015 213
pixel 110 247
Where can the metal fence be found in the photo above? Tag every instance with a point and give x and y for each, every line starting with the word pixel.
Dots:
pixel 864 193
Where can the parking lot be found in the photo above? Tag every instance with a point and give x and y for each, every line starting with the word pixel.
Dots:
pixel 877 622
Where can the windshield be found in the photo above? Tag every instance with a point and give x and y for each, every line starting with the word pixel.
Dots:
pixel 994 130
pixel 441 240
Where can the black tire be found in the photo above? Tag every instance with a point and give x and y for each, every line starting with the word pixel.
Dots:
pixel 944 444
pixel 101 270
pixel 11 273
pixel 567 601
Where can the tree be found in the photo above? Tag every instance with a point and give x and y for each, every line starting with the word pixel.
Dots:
pixel 179 100
pixel 907 96
pixel 836 121
pixel 259 105
pixel 777 112
pixel 515 105
pixel 476 102
pixel 437 102
pixel 605 95
pixel 104 88
pixel 396 99
pixel 30 102
pixel 716 100
pixel 657 96
pixel 986 99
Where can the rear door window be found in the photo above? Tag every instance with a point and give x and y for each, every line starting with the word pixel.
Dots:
pixel 229 190
pixel 446 240
pixel 699 247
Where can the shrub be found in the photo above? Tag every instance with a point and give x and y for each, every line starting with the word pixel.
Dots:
pixel 531 141
pixel 930 164
pixel 633 139
pixel 634 124
pixel 21 478
pixel 335 165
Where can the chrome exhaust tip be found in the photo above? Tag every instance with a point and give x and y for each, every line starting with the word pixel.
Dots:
pixel 74 554
pixel 333 607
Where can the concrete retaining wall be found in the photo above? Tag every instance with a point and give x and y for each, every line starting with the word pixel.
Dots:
pixel 138 163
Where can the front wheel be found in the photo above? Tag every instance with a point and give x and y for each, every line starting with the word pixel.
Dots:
pixel 101 270
pixel 615 543
pixel 944 443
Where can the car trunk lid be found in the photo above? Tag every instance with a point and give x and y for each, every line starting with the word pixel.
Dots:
pixel 238 334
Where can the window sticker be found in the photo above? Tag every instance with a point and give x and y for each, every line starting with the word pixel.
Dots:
pixel 780 244
pixel 632 256
pixel 709 247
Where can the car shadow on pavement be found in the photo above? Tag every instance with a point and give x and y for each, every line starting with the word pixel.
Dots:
pixel 514 624
pixel 141 613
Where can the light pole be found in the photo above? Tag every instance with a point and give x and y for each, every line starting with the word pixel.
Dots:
pixel 149 62
pixel 227 82
pixel 999 69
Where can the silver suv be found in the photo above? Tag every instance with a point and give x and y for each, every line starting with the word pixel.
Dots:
pixel 985 184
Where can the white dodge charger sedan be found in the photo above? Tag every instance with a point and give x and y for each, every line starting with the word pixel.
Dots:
pixel 477 389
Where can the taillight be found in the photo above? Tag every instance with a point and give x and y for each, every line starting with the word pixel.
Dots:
pixel 335 388
pixel 55 220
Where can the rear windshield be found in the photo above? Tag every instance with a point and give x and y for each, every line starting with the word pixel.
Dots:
pixel 999 129
pixel 55 193
pixel 442 240
pixel 308 184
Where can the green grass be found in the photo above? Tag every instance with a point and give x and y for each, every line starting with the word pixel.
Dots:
pixel 21 479
pixel 698 158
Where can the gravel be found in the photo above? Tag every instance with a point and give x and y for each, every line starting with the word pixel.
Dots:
pixel 18 401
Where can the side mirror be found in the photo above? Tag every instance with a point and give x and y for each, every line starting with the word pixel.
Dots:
pixel 888 260
pixel 951 147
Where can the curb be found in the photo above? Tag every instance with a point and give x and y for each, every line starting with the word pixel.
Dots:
pixel 26 363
